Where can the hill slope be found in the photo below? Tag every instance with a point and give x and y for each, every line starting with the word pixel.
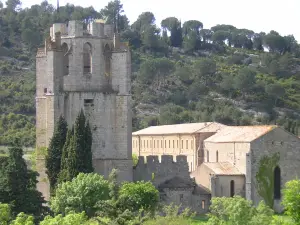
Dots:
pixel 220 74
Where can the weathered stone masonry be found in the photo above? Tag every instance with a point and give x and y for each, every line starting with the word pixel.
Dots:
pixel 89 70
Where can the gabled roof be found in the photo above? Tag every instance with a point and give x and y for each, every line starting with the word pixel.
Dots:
pixel 177 182
pixel 240 133
pixel 222 168
pixel 186 128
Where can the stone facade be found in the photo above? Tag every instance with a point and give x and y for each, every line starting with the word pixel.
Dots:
pixel 228 159
pixel 173 181
pixel 88 70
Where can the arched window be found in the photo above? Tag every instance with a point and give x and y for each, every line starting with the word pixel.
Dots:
pixel 107 58
pixel 87 58
pixel 217 156
pixel 277 183
pixel 65 50
pixel 231 188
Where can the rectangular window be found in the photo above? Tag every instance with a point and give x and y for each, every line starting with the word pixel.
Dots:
pixel 45 90
pixel 181 143
pixel 181 197
pixel 150 143
pixel 144 144
pixel 187 144
pixel 173 144
pixel 165 144
pixel 153 144
pixel 169 144
pixel 88 102
pixel 157 143
pixel 203 204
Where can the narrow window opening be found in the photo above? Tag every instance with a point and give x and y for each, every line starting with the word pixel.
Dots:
pixel 187 144
pixel 277 183
pixel 203 204
pixel 217 156
pixel 231 188
pixel 207 156
pixel 87 58
pixel 107 58
pixel 45 90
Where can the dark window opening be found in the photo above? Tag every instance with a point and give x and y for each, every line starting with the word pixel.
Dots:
pixel 217 156
pixel 45 90
pixel 87 58
pixel 232 188
pixel 181 197
pixel 88 102
pixel 277 183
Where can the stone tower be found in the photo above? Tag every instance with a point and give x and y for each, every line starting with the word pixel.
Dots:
pixel 90 70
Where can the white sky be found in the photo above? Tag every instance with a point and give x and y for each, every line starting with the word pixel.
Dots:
pixel 257 15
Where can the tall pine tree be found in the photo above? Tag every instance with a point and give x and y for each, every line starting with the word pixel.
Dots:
pixel 18 185
pixel 55 149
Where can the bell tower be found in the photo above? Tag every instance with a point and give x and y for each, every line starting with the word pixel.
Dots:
pixel 90 70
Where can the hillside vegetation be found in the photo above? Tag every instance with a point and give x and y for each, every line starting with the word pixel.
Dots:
pixel 181 72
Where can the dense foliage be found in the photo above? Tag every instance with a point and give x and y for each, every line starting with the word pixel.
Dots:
pixel 54 151
pixel 18 185
pixel 291 200
pixel 80 194
pixel 181 72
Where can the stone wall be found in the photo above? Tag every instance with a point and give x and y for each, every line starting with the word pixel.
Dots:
pixel 160 170
pixel 276 141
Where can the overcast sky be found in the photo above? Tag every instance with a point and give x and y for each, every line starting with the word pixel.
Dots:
pixel 256 15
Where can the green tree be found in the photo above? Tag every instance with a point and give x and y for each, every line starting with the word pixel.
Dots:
pixel 291 200
pixel 139 195
pixel 5 214
pixel 55 149
pixel 77 151
pixel 80 194
pixel 205 69
pixel 245 80
pixel 239 211
pixel 276 91
pixel 23 219
pixel 113 14
pixel 18 185
pixel 64 173
pixel 71 218
pixel 173 25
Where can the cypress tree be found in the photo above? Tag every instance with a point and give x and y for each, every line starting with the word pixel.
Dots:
pixel 18 185
pixel 77 151
pixel 55 149
pixel 63 174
